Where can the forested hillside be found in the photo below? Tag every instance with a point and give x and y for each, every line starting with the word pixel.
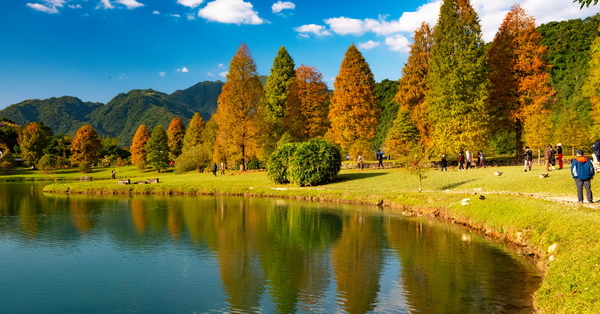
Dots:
pixel 201 98
pixel 64 115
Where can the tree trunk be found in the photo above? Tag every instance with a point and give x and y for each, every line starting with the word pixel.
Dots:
pixel 518 138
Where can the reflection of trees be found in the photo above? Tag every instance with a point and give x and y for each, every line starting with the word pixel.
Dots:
pixel 175 219
pixel 139 215
pixel 443 273
pixel 82 215
pixel 357 262
pixel 237 225
pixel 294 256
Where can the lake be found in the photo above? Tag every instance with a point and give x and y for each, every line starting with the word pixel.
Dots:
pixel 184 254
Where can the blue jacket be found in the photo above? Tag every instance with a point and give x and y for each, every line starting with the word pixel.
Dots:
pixel 582 168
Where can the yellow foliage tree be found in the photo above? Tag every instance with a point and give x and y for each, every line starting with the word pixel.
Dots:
pixel 237 109
pixel 86 146
pixel 354 111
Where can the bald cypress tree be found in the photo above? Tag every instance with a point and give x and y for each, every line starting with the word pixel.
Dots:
pixel 193 135
pixel 278 84
pixel 237 110
pixel 354 111
pixel 273 107
pixel 175 133
pixel 520 75
pixel 138 152
pixel 458 80
pixel 413 86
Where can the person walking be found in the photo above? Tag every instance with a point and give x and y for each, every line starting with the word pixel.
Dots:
pixel 582 171
pixel 214 169
pixel 461 160
pixel 468 159
pixel 527 158
pixel 481 159
pixel 361 162
pixel 222 169
pixel 548 156
pixel 559 155
pixel 444 163
pixel 380 158
pixel 113 174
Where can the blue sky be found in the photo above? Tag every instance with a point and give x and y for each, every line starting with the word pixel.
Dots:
pixel 95 49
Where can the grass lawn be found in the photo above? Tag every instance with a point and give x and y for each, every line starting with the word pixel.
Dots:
pixel 541 214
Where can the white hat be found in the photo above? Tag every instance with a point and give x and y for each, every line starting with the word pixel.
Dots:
pixel 559 144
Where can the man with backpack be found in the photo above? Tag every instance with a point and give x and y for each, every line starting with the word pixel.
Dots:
pixel 583 173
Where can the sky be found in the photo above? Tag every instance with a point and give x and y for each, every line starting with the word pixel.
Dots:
pixel 96 49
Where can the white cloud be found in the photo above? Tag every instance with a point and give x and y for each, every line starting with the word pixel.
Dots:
pixel 190 3
pixel 221 66
pixel 210 74
pixel 175 15
pixel 183 70
pixel 162 73
pixel 317 30
pixel 344 26
pixel 130 4
pixel 369 45
pixel 231 12
pixel 279 6
pixel 191 17
pixel 49 7
pixel 224 74
pixel 42 8
pixel 75 6
pixel 398 43
pixel 155 12
pixel 105 4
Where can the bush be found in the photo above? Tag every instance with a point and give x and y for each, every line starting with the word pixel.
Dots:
pixel 305 164
pixel 195 158
pixel 277 165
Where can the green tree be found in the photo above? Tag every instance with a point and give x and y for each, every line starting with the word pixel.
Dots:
pixel 157 149
pixel 413 88
pixel 278 84
pixel 193 134
pixel 354 111
pixel 33 139
pixel 591 89
pixel 86 147
pixel 237 110
pixel 587 3
pixel 385 92
pixel 458 80
pixel 175 133
pixel 402 135
pixel 196 158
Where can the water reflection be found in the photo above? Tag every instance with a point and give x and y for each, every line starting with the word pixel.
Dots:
pixel 246 255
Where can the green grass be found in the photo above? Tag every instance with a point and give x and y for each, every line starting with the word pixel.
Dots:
pixel 519 207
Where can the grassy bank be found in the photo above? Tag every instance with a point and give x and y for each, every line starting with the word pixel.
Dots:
pixel 521 207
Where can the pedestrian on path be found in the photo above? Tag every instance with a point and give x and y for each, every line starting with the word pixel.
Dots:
pixel 583 173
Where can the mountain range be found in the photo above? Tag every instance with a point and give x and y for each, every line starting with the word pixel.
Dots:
pixel 121 116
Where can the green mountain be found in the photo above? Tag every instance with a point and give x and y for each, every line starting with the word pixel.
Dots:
pixel 64 115
pixel 122 116
pixel 201 98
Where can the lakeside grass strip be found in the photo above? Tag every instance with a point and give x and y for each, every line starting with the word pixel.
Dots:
pixel 518 207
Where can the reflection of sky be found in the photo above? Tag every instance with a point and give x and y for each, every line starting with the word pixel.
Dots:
pixel 392 294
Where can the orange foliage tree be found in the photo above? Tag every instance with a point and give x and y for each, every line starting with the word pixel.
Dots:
pixel 519 76
pixel 306 109
pixel 138 152
pixel 238 108
pixel 354 111
pixel 412 88
pixel 86 146
pixel 175 134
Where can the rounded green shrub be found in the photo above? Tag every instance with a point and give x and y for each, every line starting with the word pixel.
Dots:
pixel 277 165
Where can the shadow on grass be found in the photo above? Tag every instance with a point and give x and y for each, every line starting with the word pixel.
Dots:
pixel 356 176
pixel 455 185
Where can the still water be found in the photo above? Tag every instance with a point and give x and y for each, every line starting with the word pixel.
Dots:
pixel 175 254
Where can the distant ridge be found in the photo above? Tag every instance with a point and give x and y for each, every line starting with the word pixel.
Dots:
pixel 121 116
